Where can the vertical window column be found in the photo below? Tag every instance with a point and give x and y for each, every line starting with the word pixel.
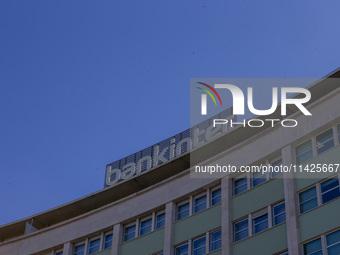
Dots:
pixel 116 239
pixel 68 249
pixel 293 236
pixel 170 211
pixel 226 224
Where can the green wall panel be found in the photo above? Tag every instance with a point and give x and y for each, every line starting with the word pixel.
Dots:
pixel 197 224
pixel 105 252
pixel 320 220
pixel 145 244
pixel 304 179
pixel 257 198
pixel 215 253
pixel 266 243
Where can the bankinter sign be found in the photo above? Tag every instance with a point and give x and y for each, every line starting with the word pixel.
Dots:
pixel 165 151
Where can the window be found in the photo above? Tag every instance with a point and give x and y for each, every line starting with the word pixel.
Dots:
pixel 279 213
pixel 145 226
pixel 199 246
pixel 258 178
pixel 59 253
pixel 182 249
pixel 241 230
pixel 94 246
pixel 240 185
pixel 308 200
pixel 333 243
pixel 277 170
pixel 330 190
pixel 107 241
pixel 200 203
pixel 79 249
pixel 182 210
pixel 313 247
pixel 215 196
pixel 160 220
pixel 304 152
pixel 324 141
pixel 215 240
pixel 285 253
pixel 129 232
pixel 260 223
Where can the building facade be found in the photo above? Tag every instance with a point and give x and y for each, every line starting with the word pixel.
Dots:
pixel 166 211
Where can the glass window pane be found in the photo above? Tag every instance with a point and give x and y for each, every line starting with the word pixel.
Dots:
pixel 182 250
pixel 183 211
pixel 324 141
pixel 79 249
pixel 200 204
pixel 308 200
pixel 130 233
pixel 260 223
pixel 241 229
pixel 145 226
pixel 108 241
pixel 330 190
pixel 258 178
pixel 216 197
pixel 160 220
pixel 277 170
pixel 215 240
pixel 199 246
pixel 94 246
pixel 333 243
pixel 279 212
pixel 304 152
pixel 240 185
pixel 313 247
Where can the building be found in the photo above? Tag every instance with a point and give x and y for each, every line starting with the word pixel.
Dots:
pixel 165 211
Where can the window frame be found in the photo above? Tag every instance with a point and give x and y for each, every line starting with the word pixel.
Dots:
pixel 234 227
pixel 237 179
pixel 89 243
pixel 159 213
pixel 212 198
pixel 198 239
pixel 273 214
pixel 79 244
pixel 104 240
pixel 180 245
pixel 128 226
pixel 211 242
pixel 199 196
pixel 187 201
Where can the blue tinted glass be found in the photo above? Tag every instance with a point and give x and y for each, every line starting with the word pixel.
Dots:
pixel 108 241
pixel 333 238
pixel 215 240
pixel 313 247
pixel 199 246
pixel 94 246
pixel 331 183
pixel 325 141
pixel 306 206
pixel 130 233
pixel 334 250
pixel 216 197
pixel 330 190
pixel 145 226
pixel 79 250
pixel 241 230
pixel 308 194
pixel 240 185
pixel 160 220
pixel 307 146
pixel 261 223
pixel 200 204
pixel 182 250
pixel 304 157
pixel 241 225
pixel 183 211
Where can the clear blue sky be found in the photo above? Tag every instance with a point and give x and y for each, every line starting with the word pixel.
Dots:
pixel 84 83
